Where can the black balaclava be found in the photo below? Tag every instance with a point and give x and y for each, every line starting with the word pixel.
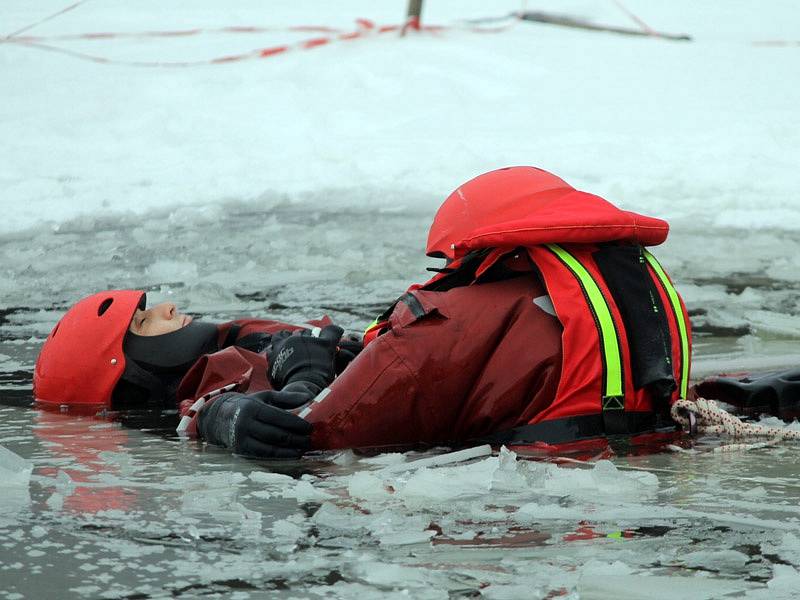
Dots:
pixel 173 351
pixel 156 364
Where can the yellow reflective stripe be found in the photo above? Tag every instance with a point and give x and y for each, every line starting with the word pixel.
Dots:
pixel 371 325
pixel 612 362
pixel 680 318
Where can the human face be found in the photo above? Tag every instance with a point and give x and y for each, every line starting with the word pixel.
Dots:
pixel 158 320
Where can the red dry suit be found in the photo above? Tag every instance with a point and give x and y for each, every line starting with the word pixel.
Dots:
pixel 552 324
pixel 418 383
pixel 232 369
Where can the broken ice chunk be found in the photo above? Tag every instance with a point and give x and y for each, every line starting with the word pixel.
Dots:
pixel 784 583
pixel 15 473
pixel 304 491
pixel 406 538
pixel 267 478
pixel 442 459
pixel 14 470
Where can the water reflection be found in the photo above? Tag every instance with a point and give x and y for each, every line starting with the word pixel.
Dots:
pixel 85 447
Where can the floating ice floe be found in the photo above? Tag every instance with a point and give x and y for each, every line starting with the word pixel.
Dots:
pixel 599 581
pixel 15 471
pixel 785 583
pixel 15 474
pixel 416 484
pixel 304 491
pixel 225 479
pixel 270 479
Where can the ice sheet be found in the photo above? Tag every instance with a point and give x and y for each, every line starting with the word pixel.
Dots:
pixel 295 186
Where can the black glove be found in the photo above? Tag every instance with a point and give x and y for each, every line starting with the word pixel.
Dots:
pixel 350 345
pixel 773 393
pixel 251 426
pixel 304 363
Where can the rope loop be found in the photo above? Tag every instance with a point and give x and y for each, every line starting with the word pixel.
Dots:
pixel 705 416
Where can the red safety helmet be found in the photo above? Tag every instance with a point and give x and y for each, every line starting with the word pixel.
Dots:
pixel 82 359
pixel 526 206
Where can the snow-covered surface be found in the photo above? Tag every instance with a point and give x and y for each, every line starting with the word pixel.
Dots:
pixel 676 129
pixel 303 184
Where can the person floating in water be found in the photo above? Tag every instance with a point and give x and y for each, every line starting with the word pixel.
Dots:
pixel 551 324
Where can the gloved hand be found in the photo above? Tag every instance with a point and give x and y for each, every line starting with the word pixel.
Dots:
pixel 773 393
pixel 350 345
pixel 253 425
pixel 302 363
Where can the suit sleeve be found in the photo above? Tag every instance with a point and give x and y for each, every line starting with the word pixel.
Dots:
pixel 454 366
pixel 231 369
pixel 384 397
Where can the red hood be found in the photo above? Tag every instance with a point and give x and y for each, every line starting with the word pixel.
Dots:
pixel 526 206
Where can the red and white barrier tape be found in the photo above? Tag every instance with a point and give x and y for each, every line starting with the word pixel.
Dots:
pixel 47 18
pixel 109 35
pixel 644 26
pixel 364 28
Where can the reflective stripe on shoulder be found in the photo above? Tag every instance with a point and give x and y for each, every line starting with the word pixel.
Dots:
pixel 371 325
pixel 680 319
pixel 613 385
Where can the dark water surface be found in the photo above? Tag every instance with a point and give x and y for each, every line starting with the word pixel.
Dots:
pixel 125 509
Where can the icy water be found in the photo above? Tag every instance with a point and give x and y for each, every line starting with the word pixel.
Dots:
pixel 124 509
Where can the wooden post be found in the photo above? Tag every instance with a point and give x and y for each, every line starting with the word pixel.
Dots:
pixel 413 17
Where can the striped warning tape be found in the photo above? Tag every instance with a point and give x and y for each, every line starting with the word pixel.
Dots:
pixel 109 35
pixel 47 18
pixel 364 28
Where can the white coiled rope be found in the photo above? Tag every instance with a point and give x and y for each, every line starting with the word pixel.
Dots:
pixel 710 418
